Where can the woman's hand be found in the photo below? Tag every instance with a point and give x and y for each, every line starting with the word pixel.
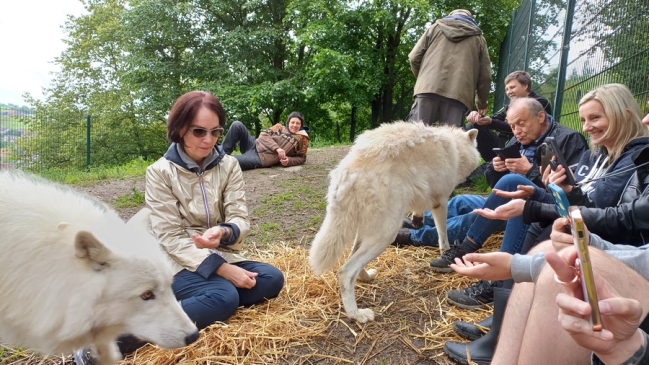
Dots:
pixel 239 277
pixel 284 162
pixel 281 153
pixel 620 338
pixel 485 266
pixel 557 177
pixel 210 239
pixel 523 192
pixel 511 209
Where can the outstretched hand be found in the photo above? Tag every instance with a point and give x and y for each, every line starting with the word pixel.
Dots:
pixel 485 266
pixel 523 192
pixel 511 209
pixel 210 239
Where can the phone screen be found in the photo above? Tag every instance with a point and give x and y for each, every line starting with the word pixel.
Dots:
pixel 581 239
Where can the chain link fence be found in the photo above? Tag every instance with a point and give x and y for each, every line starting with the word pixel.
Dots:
pixel 570 47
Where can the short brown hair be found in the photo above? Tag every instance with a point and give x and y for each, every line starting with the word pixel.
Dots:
pixel 521 76
pixel 184 111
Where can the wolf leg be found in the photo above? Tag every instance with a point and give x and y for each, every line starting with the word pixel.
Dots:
pixel 107 352
pixel 374 245
pixel 440 212
pixel 365 276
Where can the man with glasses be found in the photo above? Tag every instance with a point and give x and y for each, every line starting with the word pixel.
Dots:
pixel 277 145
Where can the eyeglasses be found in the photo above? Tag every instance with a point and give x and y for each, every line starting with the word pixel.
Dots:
pixel 200 132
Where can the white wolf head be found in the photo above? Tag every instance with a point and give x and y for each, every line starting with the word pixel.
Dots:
pixel 73 274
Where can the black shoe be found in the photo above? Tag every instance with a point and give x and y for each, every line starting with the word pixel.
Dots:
pixel 403 238
pixel 474 296
pixel 481 350
pixel 472 331
pixel 443 264
pixel 84 357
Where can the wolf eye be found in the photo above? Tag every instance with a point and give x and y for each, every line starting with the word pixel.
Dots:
pixel 147 295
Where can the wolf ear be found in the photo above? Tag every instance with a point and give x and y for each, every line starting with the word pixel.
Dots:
pixel 88 247
pixel 472 134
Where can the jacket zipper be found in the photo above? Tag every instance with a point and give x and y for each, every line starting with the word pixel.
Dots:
pixel 207 207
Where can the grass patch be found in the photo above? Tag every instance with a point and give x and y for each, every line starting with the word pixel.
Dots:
pixel 134 168
pixel 133 199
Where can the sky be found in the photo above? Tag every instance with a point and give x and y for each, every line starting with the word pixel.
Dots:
pixel 30 38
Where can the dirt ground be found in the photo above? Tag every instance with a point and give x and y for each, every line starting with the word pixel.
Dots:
pixel 287 206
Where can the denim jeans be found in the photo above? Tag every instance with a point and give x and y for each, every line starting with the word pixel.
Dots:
pixel 215 299
pixel 515 229
pixel 460 217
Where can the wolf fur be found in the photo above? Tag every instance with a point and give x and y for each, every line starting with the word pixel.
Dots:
pixel 389 170
pixel 74 275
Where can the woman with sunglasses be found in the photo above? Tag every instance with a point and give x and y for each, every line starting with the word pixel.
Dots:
pixel 277 145
pixel 196 196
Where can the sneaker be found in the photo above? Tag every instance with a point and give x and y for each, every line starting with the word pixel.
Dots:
pixel 443 264
pixel 84 357
pixel 407 223
pixel 403 238
pixel 475 296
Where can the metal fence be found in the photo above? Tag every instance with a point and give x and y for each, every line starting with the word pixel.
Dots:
pixel 26 141
pixel 570 47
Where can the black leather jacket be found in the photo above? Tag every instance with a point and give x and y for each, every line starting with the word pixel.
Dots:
pixel 626 223
pixel 572 145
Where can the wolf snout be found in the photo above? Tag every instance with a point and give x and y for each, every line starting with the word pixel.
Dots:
pixel 189 339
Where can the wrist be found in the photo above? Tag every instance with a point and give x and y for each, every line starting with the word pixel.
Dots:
pixel 626 352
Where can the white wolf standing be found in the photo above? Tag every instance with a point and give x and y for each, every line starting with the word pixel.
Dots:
pixel 73 274
pixel 389 170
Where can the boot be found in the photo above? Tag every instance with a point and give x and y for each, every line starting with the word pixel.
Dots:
pixel 481 350
pixel 471 331
pixel 403 238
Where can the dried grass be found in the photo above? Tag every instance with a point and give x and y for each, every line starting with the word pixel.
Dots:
pixel 306 324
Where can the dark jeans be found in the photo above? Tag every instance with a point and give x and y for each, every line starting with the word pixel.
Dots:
pixel 535 234
pixel 487 140
pixel 430 108
pixel 515 229
pixel 215 299
pixel 238 134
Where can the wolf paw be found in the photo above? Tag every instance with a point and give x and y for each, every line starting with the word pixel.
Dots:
pixel 363 315
pixel 367 276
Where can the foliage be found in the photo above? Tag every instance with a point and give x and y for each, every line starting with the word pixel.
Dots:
pixel 343 64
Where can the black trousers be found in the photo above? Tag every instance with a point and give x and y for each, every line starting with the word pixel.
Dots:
pixel 431 108
pixel 487 140
pixel 238 135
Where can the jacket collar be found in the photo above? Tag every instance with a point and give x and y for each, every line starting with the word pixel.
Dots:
pixel 177 155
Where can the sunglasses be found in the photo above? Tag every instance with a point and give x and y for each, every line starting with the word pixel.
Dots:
pixel 199 132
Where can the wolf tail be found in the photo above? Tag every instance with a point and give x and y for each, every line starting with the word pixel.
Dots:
pixel 338 229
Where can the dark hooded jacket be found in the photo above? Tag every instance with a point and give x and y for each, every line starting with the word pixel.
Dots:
pixel 451 59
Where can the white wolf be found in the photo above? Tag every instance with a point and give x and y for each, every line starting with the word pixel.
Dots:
pixel 389 170
pixel 73 274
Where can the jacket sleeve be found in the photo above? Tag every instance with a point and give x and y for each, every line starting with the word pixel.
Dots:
pixel 267 141
pixel 499 122
pixel 624 223
pixel 543 213
pixel 419 50
pixel 300 156
pixel 484 79
pixel 234 204
pixel 166 222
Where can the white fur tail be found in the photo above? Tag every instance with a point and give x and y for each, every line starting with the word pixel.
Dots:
pixel 329 244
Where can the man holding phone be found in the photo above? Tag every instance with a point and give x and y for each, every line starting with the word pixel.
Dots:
pixel 494 131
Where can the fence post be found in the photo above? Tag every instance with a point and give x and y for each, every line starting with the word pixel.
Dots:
pixel 529 35
pixel 563 63
pixel 88 143
pixel 510 33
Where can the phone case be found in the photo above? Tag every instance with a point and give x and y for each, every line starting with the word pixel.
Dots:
pixel 508 152
pixel 570 178
pixel 560 199
pixel 580 238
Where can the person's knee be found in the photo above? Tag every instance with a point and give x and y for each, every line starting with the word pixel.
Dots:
pixel 237 124
pixel 510 182
pixel 542 247
pixel 274 282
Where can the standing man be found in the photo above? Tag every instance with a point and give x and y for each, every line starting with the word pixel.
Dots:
pixel 452 67
pixel 518 84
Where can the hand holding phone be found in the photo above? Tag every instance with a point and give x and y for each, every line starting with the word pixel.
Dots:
pixel 560 199
pixel 581 239
pixel 556 151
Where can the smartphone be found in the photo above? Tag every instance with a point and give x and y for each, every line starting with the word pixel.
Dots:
pixel 556 151
pixel 560 200
pixel 512 151
pixel 581 239
pixel 543 156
